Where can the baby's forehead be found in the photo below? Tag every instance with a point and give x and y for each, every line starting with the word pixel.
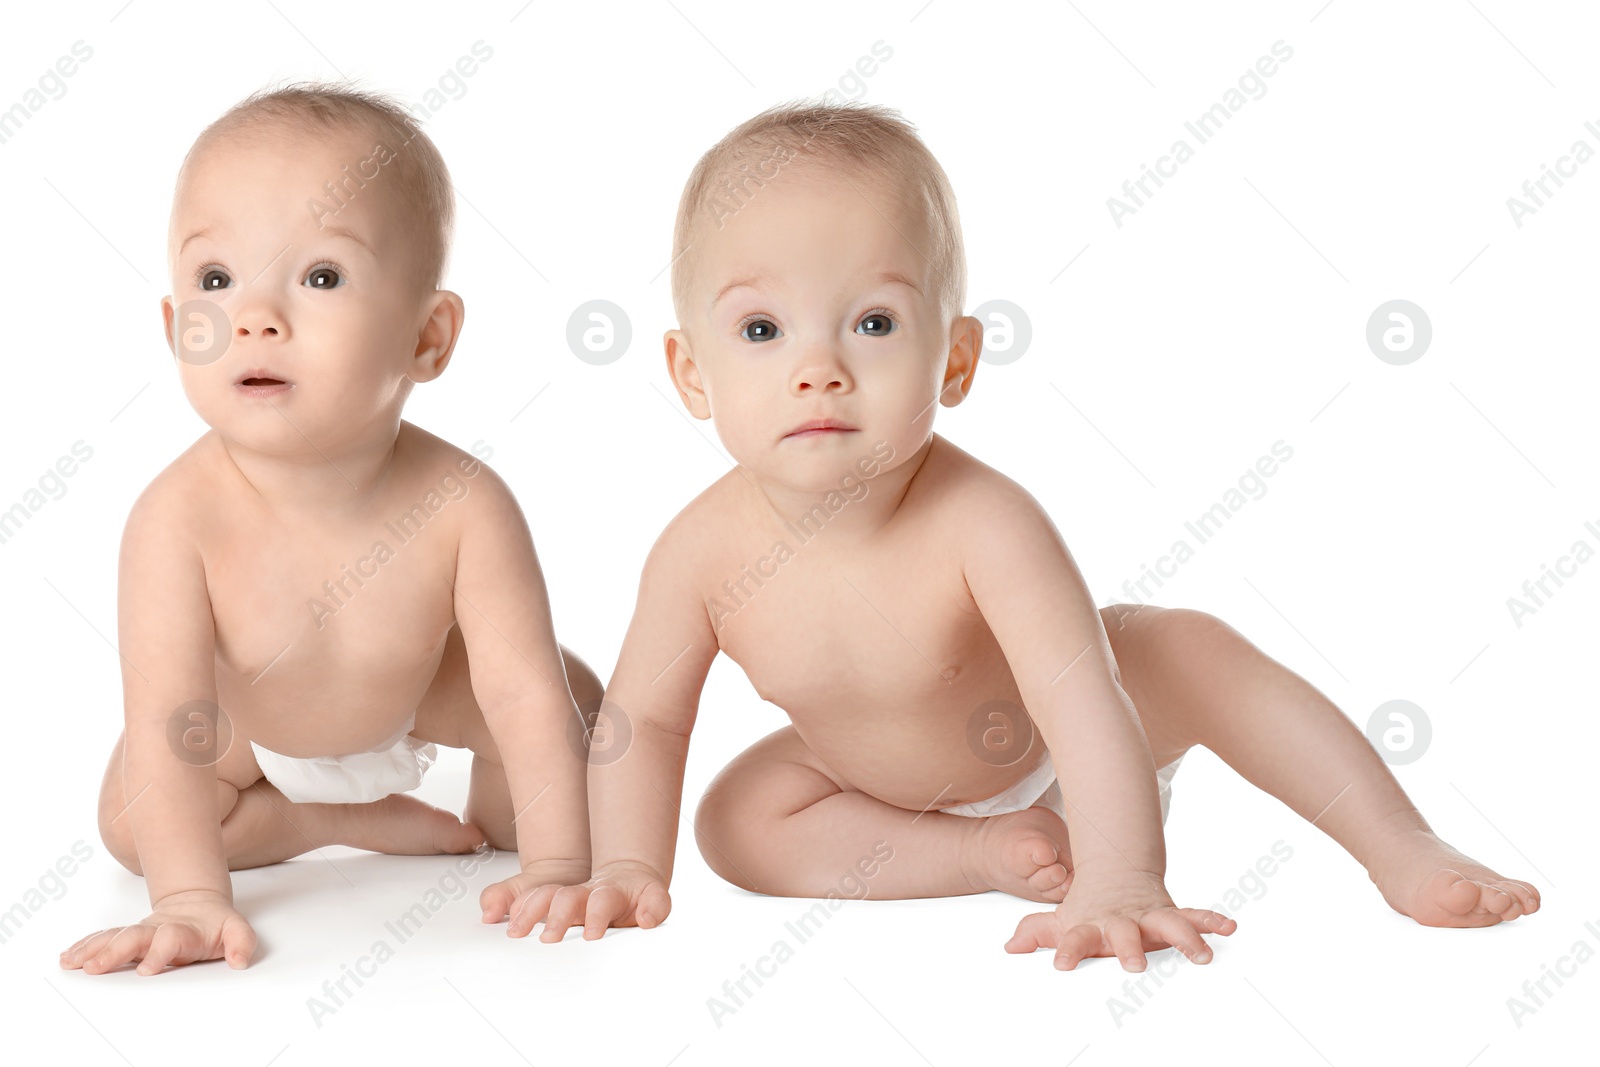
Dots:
pixel 864 220
pixel 270 179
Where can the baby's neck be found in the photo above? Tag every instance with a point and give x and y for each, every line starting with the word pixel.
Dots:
pixel 855 509
pixel 322 479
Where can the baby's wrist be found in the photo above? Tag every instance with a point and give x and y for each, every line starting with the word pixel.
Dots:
pixel 184 897
pixel 557 869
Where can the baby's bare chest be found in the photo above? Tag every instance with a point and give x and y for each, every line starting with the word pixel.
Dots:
pixel 350 618
pixel 893 630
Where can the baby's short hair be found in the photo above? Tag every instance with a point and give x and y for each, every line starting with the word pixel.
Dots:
pixel 412 162
pixel 868 136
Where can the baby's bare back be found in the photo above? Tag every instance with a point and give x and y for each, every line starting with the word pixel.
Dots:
pixel 330 626
pixel 873 646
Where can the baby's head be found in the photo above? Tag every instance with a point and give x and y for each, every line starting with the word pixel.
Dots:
pixel 310 229
pixel 818 273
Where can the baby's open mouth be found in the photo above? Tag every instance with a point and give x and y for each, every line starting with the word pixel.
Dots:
pixel 261 381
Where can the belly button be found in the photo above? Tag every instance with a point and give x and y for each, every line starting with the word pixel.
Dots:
pixel 949 674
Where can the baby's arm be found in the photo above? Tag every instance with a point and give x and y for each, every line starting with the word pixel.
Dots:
pixel 635 800
pixel 1038 607
pixel 520 682
pixel 166 638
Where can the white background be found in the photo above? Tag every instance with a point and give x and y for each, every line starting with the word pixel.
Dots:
pixel 1226 314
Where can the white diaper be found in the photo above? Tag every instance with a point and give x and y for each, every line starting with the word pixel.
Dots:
pixel 1040 788
pixel 396 766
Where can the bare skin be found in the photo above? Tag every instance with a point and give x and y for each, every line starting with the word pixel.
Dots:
pixel 321 570
pixel 932 588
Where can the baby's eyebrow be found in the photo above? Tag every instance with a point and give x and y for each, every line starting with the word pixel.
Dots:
pixel 192 236
pixel 341 231
pixel 329 231
pixel 890 276
pixel 900 279
pixel 751 281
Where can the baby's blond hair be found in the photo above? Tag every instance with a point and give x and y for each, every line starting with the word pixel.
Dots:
pixel 414 167
pixel 868 136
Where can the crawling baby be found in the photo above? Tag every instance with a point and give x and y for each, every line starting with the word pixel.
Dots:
pixel 961 715
pixel 316 594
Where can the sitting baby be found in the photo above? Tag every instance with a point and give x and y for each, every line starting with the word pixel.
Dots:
pixel 962 718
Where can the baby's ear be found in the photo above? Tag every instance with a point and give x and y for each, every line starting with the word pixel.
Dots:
pixel 966 346
pixel 168 313
pixel 686 374
pixel 437 338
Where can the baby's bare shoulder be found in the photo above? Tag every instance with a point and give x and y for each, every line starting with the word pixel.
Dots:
pixel 699 533
pixel 969 496
pixel 184 497
pixel 442 476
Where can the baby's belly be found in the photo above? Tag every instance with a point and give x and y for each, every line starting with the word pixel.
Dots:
pixel 938 754
pixel 323 711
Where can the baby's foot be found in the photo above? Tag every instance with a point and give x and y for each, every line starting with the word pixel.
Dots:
pixel 1019 853
pixel 402 825
pixel 1421 876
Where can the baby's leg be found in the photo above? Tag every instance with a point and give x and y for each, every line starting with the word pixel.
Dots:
pixel 777 820
pixel 261 826
pixel 1195 681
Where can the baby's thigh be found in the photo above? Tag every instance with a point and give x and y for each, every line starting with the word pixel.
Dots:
pixel 772 779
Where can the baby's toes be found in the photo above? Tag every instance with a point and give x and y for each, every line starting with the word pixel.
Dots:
pixel 1524 893
pixel 1051 881
pixel 1498 901
pixel 1452 892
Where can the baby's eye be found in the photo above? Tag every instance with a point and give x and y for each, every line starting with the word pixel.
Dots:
pixel 325 277
pixel 760 330
pixel 876 324
pixel 211 278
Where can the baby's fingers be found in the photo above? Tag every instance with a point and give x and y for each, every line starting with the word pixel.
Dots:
pixel 238 943
pixel 607 905
pixel 1034 932
pixel 1171 927
pixel 126 944
pixel 1083 941
pixel 496 901
pixel 531 908
pixel 655 904
pixel 73 957
pixel 177 943
pixel 566 911
pixel 1209 922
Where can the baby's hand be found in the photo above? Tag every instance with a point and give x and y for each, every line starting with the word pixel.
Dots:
pixel 1123 914
pixel 535 883
pixel 619 894
pixel 182 929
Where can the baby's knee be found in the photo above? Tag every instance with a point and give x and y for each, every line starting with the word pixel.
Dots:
pixel 587 689
pixel 117 835
pixel 721 831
